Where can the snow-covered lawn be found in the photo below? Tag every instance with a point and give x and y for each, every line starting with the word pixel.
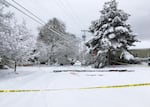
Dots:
pixel 44 78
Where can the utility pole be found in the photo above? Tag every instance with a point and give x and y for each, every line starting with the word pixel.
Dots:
pixel 84 34
pixel 84 47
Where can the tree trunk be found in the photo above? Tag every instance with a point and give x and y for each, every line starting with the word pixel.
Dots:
pixel 15 69
pixel 109 58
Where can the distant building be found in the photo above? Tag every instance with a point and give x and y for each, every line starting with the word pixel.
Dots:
pixel 142 53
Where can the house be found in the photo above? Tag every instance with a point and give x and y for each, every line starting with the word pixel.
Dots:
pixel 141 53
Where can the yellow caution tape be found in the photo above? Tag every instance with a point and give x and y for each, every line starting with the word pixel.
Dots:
pixel 120 86
pixel 86 88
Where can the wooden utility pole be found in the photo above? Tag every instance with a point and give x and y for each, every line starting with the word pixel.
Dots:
pixel 84 47
pixel 84 35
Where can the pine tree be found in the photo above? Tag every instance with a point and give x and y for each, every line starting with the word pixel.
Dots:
pixel 111 33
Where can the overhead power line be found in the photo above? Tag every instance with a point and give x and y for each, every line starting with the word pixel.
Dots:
pixel 66 11
pixel 74 12
pixel 71 11
pixel 28 11
pixel 41 22
pixel 24 13
pixel 65 14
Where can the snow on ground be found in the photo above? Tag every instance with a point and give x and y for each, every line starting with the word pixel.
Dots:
pixel 42 77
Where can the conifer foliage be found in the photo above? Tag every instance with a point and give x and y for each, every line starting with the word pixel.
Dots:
pixel 111 33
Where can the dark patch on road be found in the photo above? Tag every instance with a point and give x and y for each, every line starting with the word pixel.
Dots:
pixel 123 70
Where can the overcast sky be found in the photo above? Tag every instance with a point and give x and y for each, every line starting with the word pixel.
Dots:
pixel 78 14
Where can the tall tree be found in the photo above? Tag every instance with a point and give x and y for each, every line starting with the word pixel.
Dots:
pixel 54 45
pixel 5 27
pixel 16 41
pixel 23 43
pixel 111 33
pixel 50 39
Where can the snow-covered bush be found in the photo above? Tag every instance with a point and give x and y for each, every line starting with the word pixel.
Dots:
pixel 127 57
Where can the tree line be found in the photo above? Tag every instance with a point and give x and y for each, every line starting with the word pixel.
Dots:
pixel 111 33
pixel 17 43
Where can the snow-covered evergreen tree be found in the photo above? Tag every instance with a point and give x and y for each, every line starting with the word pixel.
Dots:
pixel 111 33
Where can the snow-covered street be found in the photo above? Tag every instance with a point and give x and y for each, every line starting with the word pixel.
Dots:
pixel 30 78
pixel 74 53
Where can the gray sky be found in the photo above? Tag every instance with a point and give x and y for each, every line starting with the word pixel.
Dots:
pixel 78 14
